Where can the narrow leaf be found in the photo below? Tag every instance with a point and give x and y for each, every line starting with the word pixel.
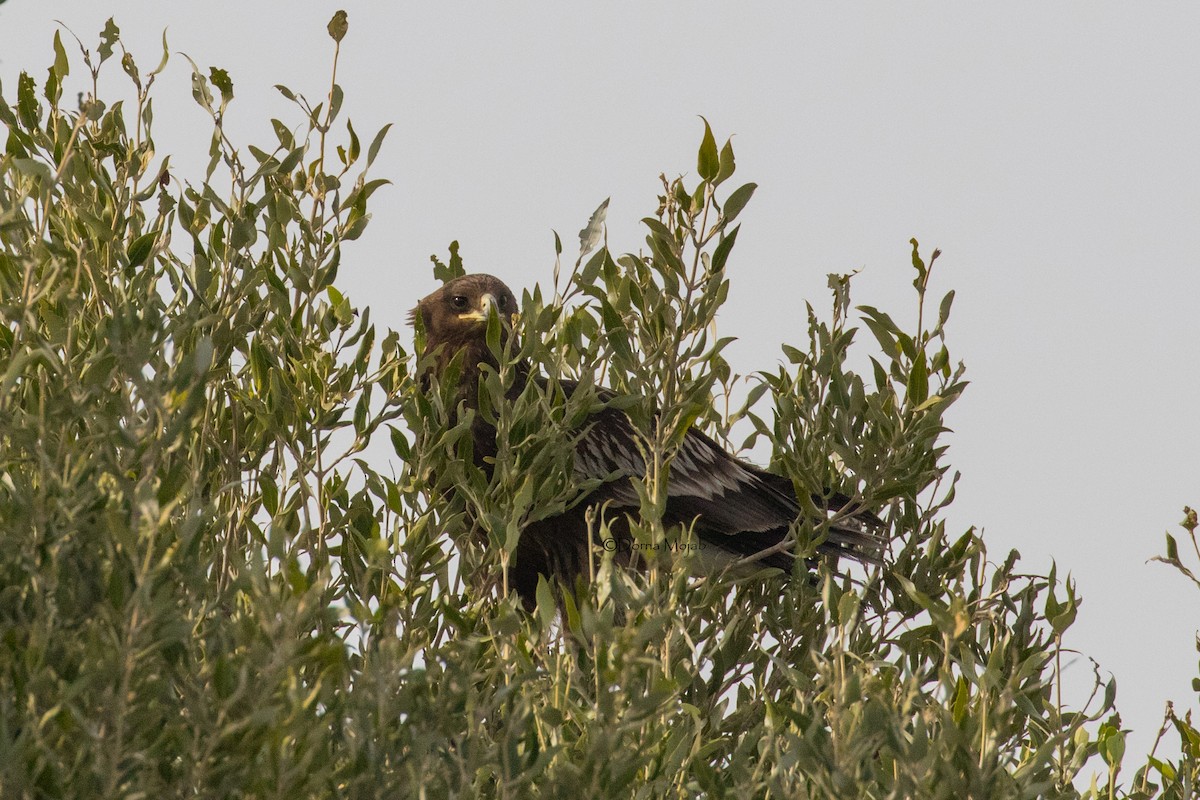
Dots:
pixel 727 163
pixel 918 381
pixel 592 233
pixel 737 201
pixel 708 162
pixel 373 150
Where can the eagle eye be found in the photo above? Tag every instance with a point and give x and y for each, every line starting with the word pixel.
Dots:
pixel 459 302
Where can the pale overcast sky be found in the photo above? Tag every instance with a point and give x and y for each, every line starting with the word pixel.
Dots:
pixel 1052 151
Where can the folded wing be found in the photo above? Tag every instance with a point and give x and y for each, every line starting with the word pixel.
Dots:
pixel 739 509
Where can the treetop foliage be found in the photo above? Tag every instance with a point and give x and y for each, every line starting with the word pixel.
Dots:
pixel 206 588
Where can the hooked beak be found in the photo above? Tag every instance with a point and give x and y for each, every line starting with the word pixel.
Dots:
pixel 487 307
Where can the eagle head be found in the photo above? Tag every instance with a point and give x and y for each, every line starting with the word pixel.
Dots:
pixel 456 315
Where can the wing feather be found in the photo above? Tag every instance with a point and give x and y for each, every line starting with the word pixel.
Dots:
pixel 735 505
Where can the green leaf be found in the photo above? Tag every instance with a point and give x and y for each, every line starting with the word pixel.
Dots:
pixel 962 697
pixel 139 251
pixel 200 91
pixel 1065 618
pixel 736 202
pixel 338 26
pixel 454 269
pixel 376 143
pixel 38 170
pixel 794 355
pixel 220 79
pixel 291 160
pixel 917 263
pixel 881 378
pixel 270 493
pixel 166 55
pixel 847 608
pixel 62 66
pixel 545 602
pixel 336 95
pixel 27 104
pixel 882 330
pixel 130 67
pixel 1111 745
pixel 108 39
pixel 918 381
pixel 286 140
pixel 721 254
pixel 727 163
pixel 708 162
pixel 591 270
pixel 944 309
pixel 355 148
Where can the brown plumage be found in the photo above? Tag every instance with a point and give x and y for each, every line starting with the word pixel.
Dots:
pixel 739 510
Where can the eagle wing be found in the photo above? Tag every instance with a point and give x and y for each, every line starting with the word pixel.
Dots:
pixel 737 507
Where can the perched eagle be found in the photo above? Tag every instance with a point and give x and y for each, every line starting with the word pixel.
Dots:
pixel 740 512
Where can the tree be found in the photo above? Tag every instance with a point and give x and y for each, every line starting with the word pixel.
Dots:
pixel 207 588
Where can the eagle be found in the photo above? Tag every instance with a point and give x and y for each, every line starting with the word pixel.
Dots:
pixel 738 512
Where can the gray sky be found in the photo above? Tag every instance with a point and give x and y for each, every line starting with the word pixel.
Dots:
pixel 1050 150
